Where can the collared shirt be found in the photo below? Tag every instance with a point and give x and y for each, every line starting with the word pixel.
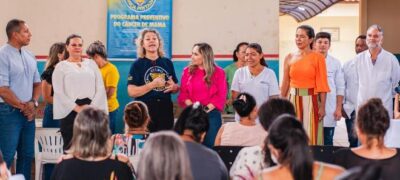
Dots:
pixel 377 80
pixel 351 83
pixel 194 88
pixel 336 84
pixel 18 71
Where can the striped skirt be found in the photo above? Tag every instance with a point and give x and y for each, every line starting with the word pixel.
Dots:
pixel 306 106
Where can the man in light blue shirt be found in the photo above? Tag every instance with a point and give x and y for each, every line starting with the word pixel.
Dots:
pixel 350 97
pixel 334 99
pixel 19 93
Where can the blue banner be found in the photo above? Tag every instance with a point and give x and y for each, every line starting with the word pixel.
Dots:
pixel 125 18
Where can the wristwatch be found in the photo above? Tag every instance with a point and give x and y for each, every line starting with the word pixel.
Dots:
pixel 35 103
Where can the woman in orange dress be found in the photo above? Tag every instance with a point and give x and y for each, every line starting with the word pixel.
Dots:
pixel 305 83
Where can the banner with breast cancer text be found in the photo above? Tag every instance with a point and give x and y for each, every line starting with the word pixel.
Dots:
pixel 125 18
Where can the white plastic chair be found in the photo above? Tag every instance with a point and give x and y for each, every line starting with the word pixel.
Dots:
pixel 51 144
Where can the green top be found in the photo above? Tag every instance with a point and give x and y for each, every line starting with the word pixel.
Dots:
pixel 229 73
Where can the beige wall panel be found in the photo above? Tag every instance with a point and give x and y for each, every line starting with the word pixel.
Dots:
pixel 221 23
pixel 385 13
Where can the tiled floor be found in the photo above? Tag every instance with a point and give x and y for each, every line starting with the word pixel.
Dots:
pixel 340 136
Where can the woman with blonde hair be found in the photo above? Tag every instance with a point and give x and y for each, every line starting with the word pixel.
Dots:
pixel 164 157
pixel 205 82
pixel 152 79
pixel 56 54
pixel 89 156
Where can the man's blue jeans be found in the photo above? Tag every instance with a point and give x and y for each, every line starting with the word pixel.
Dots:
pixel 112 116
pixel 351 134
pixel 17 135
pixel 328 135
pixel 215 123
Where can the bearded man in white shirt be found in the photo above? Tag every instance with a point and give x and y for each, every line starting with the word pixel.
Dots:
pixel 378 71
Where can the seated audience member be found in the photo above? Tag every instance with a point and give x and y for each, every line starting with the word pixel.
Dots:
pixel 192 126
pixel 5 173
pixel 89 156
pixel 164 157
pixel 371 125
pixel 246 132
pixel 136 118
pixel 288 143
pixel 250 160
pixel 365 172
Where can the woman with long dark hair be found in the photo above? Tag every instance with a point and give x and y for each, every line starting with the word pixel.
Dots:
pixel 238 62
pixel 56 54
pixel 305 84
pixel 255 78
pixel 372 122
pixel 77 82
pixel 288 145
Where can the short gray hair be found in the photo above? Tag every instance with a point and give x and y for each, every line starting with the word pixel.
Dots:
pixel 91 134
pixel 164 157
pixel 377 27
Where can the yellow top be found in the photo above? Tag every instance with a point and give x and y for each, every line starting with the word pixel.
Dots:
pixel 110 76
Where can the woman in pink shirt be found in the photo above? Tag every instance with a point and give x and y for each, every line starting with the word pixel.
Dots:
pixel 205 82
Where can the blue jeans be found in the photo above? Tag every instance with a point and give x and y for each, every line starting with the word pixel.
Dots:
pixel 328 135
pixel 17 135
pixel 351 133
pixel 112 116
pixel 48 120
pixel 215 123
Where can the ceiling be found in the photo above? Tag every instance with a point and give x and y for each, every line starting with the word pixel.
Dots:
pixel 302 10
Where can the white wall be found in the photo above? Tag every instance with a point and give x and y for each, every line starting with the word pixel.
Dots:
pixel 221 23
pixel 343 16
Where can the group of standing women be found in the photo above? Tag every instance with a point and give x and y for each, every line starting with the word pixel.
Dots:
pixel 77 82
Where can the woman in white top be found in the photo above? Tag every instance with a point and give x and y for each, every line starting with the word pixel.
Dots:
pixel 255 78
pixel 77 82
pixel 246 132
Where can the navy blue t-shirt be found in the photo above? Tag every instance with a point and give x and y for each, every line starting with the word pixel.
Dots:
pixel 144 70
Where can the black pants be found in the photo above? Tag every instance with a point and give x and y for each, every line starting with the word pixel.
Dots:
pixel 66 129
pixel 161 114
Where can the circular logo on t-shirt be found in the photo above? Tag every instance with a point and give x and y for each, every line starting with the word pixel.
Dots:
pixel 153 73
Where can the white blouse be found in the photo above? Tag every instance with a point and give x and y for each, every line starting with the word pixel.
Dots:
pixel 72 82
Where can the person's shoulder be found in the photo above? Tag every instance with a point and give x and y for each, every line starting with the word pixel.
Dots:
pixel 317 56
pixel 268 70
pixel 219 69
pixel 228 67
pixel 165 59
pixel 121 158
pixel 349 63
pixel 334 59
pixel 61 65
pixel 330 171
pixel 330 168
pixel 111 65
pixel 270 173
